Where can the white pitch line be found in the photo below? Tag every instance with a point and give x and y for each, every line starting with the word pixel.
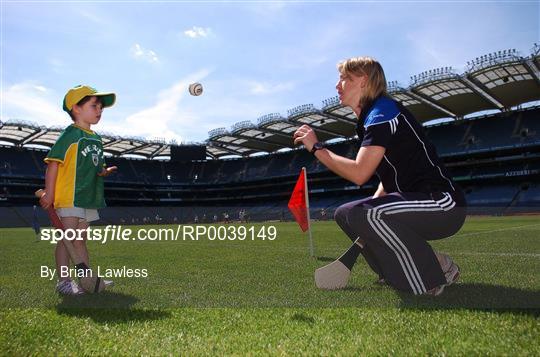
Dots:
pixel 496 230
pixel 525 255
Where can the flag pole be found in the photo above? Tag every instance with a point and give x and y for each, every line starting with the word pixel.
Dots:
pixel 307 209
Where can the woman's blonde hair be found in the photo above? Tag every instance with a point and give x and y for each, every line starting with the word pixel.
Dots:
pixel 360 66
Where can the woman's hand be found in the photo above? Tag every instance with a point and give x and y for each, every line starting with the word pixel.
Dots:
pixel 107 171
pixel 306 136
pixel 380 191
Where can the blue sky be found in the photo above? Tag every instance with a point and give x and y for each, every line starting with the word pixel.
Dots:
pixel 253 58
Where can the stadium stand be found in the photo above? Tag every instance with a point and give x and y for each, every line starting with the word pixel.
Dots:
pixel 530 197
pixel 495 157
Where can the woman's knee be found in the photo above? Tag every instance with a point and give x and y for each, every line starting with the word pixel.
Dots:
pixel 352 216
pixel 340 215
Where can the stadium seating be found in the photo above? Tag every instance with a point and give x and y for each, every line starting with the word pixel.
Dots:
pixel 529 197
pixel 495 158
pixel 447 137
pixel 19 162
pixel 490 134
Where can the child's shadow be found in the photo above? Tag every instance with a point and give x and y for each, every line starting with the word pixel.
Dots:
pixel 107 307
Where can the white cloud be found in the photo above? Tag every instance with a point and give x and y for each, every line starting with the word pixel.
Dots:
pixel 226 102
pixel 196 31
pixel 266 10
pixel 166 118
pixel 177 115
pixel 261 88
pixel 57 64
pixel 174 114
pixel 439 41
pixel 138 52
pixel 33 102
pixel 90 15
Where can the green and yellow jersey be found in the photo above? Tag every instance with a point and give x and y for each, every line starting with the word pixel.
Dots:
pixel 79 153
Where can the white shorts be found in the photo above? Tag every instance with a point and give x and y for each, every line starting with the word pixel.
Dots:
pixel 84 214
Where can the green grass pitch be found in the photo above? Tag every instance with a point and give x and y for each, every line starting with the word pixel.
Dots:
pixel 258 297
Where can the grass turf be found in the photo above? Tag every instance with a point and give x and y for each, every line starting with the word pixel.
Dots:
pixel 213 297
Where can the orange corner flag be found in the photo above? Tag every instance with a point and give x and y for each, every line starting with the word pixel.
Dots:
pixel 297 203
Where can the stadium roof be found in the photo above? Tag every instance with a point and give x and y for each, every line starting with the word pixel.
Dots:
pixel 496 81
pixel 23 133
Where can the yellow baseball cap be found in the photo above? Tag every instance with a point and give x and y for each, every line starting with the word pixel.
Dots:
pixel 75 94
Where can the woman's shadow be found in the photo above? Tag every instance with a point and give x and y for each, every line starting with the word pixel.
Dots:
pixel 475 296
pixel 108 307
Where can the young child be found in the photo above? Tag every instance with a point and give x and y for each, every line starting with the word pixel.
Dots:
pixel 74 176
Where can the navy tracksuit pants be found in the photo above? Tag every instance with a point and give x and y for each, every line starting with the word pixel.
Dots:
pixel 395 230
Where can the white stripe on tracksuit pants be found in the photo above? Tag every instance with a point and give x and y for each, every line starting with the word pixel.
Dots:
pixel 395 229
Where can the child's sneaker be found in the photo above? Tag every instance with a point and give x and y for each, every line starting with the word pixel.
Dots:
pixel 68 287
